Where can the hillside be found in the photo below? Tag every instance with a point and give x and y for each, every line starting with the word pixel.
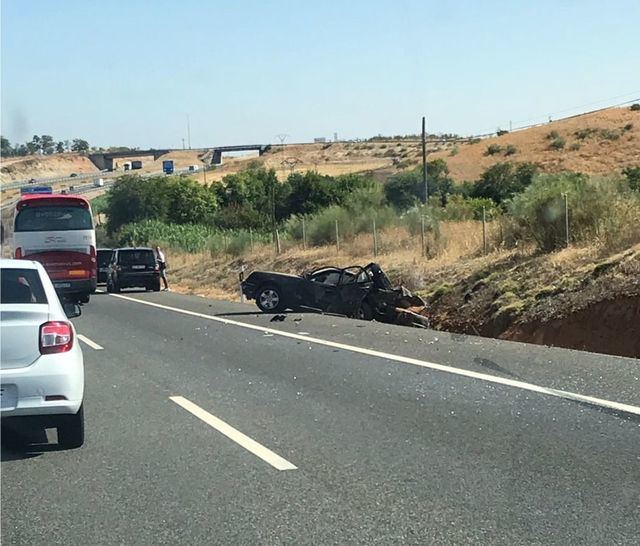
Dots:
pixel 597 143
pixel 606 147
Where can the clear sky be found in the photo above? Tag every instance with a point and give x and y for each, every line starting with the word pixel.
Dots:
pixel 127 72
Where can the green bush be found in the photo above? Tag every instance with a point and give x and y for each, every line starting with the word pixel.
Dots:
pixel 454 151
pixel 553 135
pixel 599 209
pixel 609 134
pixel 583 134
pixel 502 180
pixel 557 143
pixel 460 208
pixel 574 147
pixel 628 127
pixel 633 177
pixel 634 107
pixel 510 149
pixel 501 132
pixel 493 149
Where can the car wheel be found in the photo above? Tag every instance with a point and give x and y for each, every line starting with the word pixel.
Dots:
pixel 156 286
pixel 269 299
pixel 71 430
pixel 364 312
pixel 84 298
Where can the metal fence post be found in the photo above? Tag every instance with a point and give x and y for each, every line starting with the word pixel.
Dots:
pixel 304 235
pixel 251 239
pixel 278 249
pixel 566 218
pixel 337 238
pixel 375 239
pixel 422 237
pixel 484 230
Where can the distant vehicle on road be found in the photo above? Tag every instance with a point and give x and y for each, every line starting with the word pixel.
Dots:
pixel 133 267
pixel 98 183
pixel 40 357
pixel 57 231
pixel 358 292
pixel 167 166
pixel 194 168
pixel 136 165
pixel 104 258
pixel 36 190
pixel 73 175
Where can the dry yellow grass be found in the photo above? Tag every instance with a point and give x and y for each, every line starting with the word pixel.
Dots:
pixel 595 155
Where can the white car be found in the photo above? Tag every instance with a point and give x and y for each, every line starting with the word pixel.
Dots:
pixel 41 364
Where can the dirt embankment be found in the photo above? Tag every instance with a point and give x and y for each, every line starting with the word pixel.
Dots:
pixel 576 298
pixel 599 143
pixel 610 326
pixel 45 166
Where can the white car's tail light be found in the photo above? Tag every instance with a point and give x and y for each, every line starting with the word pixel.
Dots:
pixel 55 337
pixel 18 253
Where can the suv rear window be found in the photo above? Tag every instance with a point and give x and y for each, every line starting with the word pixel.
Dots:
pixel 131 257
pixel 21 286
pixel 104 257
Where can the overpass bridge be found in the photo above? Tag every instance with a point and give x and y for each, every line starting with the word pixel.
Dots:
pixel 104 160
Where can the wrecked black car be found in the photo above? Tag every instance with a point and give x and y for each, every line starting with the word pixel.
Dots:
pixel 358 292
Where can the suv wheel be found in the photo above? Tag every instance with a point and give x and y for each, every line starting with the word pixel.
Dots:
pixel 71 430
pixel 269 299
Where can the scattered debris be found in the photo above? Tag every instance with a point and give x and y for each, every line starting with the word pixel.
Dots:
pixel 278 318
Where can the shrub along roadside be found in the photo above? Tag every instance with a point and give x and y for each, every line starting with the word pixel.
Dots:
pixel 601 210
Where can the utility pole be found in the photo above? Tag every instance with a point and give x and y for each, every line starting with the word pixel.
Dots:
pixel 188 132
pixel 424 160
pixel 282 137
pixel 183 143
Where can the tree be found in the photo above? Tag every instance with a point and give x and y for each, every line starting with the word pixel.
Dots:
pixel 79 145
pixel 34 146
pixel 47 144
pixel 5 147
pixel 503 180
pixel 405 189
pixel 60 147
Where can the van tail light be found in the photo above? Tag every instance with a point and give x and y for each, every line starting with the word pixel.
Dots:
pixel 18 253
pixel 55 337
pixel 92 253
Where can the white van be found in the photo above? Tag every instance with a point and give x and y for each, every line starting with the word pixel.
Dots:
pixel 98 183
pixel 193 168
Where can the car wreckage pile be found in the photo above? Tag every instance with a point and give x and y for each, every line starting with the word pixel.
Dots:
pixel 358 292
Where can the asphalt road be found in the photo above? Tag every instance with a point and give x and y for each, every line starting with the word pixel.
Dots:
pixel 344 432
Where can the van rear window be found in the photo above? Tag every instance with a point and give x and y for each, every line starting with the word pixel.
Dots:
pixel 50 218
pixel 21 286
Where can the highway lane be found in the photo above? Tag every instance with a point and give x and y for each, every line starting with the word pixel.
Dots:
pixel 385 452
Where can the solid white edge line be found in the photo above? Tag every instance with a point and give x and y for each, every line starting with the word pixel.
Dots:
pixel 91 344
pixel 235 435
pixel 618 406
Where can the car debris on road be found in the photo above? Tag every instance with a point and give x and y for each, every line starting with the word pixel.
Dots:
pixel 359 292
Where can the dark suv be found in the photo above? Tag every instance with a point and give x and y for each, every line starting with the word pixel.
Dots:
pixel 104 257
pixel 133 267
